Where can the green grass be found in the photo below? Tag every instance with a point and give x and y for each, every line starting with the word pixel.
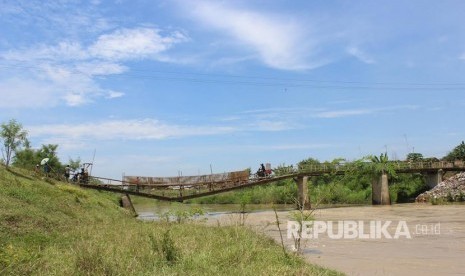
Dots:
pixel 53 228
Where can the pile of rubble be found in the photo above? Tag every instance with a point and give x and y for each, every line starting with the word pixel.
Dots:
pixel 452 189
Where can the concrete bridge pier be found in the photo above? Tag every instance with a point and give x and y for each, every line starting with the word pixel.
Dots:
pixel 303 201
pixel 380 191
pixel 433 179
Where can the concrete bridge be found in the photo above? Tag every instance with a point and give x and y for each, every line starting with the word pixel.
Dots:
pixel 188 187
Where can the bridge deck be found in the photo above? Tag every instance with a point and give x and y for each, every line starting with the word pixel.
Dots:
pixel 177 189
pixel 126 189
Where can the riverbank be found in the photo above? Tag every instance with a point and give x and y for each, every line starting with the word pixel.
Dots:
pixel 53 228
pixel 436 246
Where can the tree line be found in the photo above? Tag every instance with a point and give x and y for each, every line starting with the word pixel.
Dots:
pixel 17 150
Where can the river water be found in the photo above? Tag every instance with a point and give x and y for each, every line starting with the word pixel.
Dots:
pixel 436 245
pixel 154 210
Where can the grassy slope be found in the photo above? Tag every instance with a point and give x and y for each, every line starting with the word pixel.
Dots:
pixel 51 228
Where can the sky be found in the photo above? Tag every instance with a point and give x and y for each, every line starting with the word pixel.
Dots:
pixel 162 88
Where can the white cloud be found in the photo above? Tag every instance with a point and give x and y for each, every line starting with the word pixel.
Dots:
pixel 67 70
pixel 344 113
pixel 125 129
pixel 360 55
pixel 360 111
pixel 65 144
pixel 64 51
pixel 94 68
pixel 279 43
pixel 143 129
pixel 75 99
pixel 268 120
pixel 16 92
pixel 133 44
pixel 114 94
pixel 273 125
pixel 73 87
pixel 70 18
pixel 287 147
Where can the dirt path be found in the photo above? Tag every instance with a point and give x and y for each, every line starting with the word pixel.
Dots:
pixel 436 246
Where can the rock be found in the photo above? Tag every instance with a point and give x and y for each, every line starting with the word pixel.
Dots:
pixel 452 189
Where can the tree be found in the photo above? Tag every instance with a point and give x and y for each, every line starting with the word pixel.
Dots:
pixel 309 162
pixel 458 153
pixel 50 151
pixel 26 158
pixel 381 165
pixel 14 136
pixel 75 164
pixel 414 157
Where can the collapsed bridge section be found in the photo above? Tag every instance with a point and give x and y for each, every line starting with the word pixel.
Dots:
pixel 209 182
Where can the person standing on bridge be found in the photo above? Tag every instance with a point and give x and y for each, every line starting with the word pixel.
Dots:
pixel 137 184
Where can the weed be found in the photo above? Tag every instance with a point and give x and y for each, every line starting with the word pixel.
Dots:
pixel 278 224
pixel 170 252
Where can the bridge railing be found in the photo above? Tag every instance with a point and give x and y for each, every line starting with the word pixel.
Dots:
pixel 111 182
pixel 398 165
pixel 430 165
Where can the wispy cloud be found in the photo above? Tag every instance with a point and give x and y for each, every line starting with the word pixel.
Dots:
pixel 149 129
pixel 344 113
pixel 277 41
pixel 145 129
pixel 361 111
pixel 286 147
pixel 63 17
pixel 273 125
pixel 360 55
pixel 269 119
pixel 285 118
pixel 67 70
pixel 132 44
pixel 44 93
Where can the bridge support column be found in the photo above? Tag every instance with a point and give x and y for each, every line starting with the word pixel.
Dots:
pixel 433 179
pixel 380 191
pixel 303 202
pixel 126 203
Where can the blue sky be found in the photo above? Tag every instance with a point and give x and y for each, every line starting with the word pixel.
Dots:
pixel 159 87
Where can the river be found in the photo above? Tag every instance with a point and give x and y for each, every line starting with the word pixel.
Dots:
pixel 431 240
pixel 153 210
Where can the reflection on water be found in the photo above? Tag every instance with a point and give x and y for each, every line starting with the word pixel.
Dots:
pixel 147 211
pixel 311 251
pixel 155 210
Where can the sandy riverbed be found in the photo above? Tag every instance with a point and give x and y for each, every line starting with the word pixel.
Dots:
pixel 436 246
